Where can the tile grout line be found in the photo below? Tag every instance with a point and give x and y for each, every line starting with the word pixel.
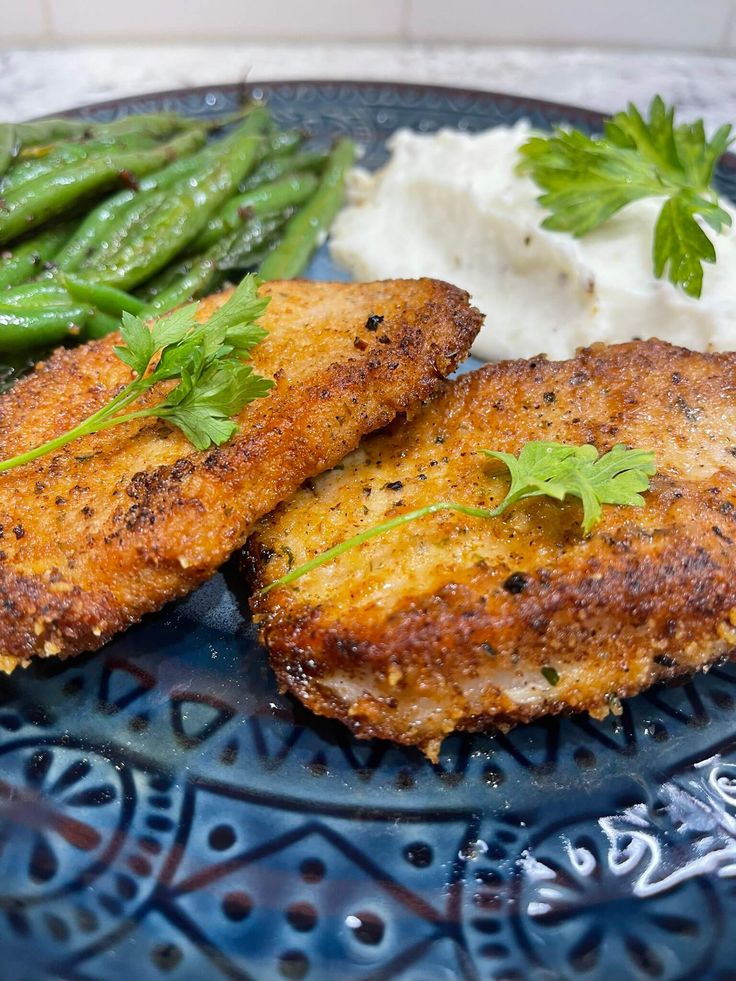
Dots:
pixel 725 47
pixel 405 21
pixel 48 20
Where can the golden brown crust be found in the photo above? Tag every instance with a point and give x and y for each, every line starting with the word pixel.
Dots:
pixel 447 622
pixel 116 524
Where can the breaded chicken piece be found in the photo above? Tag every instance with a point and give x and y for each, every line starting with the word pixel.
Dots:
pixel 115 524
pixel 451 622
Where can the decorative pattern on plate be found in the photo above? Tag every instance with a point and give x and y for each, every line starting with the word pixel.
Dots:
pixel 165 813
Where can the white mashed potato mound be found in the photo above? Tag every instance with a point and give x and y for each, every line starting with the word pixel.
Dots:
pixel 451 205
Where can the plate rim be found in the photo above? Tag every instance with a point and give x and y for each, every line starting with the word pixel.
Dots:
pixel 593 117
pixel 243 89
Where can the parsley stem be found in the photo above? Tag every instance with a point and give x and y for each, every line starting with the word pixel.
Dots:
pixel 374 532
pixel 91 424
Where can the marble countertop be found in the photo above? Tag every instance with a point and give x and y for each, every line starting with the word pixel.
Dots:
pixel 33 82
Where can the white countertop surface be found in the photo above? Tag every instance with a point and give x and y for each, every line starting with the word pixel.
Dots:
pixel 33 82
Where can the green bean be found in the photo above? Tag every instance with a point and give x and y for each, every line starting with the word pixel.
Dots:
pixel 156 124
pixel 26 260
pixel 105 298
pixel 283 141
pixel 37 295
pixel 8 144
pixel 48 130
pixel 202 270
pixel 40 136
pixel 254 238
pixel 281 194
pixel 162 280
pixel 306 230
pixel 70 153
pixel 106 220
pixel 273 168
pixel 91 230
pixel 46 197
pixel 133 216
pixel 183 214
pixel 25 327
pixel 196 280
pixel 200 274
pixel 99 223
pixel 99 325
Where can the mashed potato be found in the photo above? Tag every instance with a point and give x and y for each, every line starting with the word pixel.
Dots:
pixel 451 205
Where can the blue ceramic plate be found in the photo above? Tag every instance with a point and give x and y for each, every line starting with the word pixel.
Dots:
pixel 166 814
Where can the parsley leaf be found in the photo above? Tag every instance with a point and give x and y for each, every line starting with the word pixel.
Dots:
pixel 207 361
pixel 208 395
pixel 586 180
pixel 557 470
pixel 548 469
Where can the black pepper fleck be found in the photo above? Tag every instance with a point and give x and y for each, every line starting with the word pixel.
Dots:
pixel 515 583
pixel 373 321
pixel 549 397
pixel 19 531
pixel 394 485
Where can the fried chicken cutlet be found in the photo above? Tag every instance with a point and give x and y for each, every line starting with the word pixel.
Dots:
pixel 115 524
pixel 450 622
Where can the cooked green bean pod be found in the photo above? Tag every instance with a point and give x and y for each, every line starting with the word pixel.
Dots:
pixel 181 216
pixel 27 327
pixel 41 132
pixel 105 298
pixel 26 260
pixel 67 154
pixel 203 270
pixel 286 193
pixel 307 229
pixel 163 279
pixel 43 295
pixel 256 237
pixel 106 218
pixel 41 136
pixel 273 168
pixel 200 273
pixel 100 324
pixel 8 143
pixel 253 235
pixel 47 196
pixel 282 142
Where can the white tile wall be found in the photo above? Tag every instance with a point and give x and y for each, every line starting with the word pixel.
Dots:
pixel 706 25
pixel 659 23
pixel 225 19
pixel 22 21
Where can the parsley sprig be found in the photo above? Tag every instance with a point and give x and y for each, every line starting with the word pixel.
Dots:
pixel 588 179
pixel 207 361
pixel 548 469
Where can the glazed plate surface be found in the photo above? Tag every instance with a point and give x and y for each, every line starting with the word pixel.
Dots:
pixel 165 813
